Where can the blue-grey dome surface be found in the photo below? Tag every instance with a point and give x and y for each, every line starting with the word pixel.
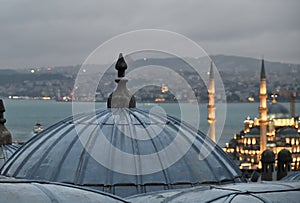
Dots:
pixel 273 191
pixel 25 191
pixel 57 154
pixel 7 151
pixel 276 110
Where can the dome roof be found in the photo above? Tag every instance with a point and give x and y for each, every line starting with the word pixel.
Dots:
pixel 287 132
pixel 284 156
pixel 271 191
pixel 268 156
pixel 254 132
pixel 292 176
pixel 6 151
pixel 19 191
pixel 85 150
pixel 276 110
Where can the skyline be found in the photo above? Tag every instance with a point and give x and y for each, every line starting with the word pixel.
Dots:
pixel 55 33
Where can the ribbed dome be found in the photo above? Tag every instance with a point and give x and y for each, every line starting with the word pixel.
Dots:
pixel 276 110
pixel 152 142
pixel 6 151
pixel 269 191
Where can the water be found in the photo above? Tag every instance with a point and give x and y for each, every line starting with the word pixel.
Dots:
pixel 21 115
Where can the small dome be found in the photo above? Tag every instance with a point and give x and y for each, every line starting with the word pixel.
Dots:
pixel 284 156
pixel 58 154
pixel 292 176
pixel 241 192
pixel 24 191
pixel 268 156
pixel 287 132
pixel 276 110
pixel 7 151
pixel 254 132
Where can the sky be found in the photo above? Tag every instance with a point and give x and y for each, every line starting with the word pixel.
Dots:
pixel 37 33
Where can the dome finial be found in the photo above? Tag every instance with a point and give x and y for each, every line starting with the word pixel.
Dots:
pixel 121 66
pixel 274 95
pixel 121 97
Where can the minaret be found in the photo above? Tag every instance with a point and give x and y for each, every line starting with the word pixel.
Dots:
pixel 211 119
pixel 263 121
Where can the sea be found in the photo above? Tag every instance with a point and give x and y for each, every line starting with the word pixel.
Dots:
pixel 22 115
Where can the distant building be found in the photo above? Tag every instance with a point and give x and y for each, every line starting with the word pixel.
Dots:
pixel 276 129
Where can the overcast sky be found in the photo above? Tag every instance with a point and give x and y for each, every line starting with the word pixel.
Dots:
pixel 64 32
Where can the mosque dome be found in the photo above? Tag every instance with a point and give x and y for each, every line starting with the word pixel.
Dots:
pixel 124 151
pixel 24 191
pixel 277 110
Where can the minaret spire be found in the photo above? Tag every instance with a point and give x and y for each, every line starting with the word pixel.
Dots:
pixel 263 108
pixel 211 119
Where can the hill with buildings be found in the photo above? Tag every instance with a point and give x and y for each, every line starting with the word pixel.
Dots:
pixel 240 76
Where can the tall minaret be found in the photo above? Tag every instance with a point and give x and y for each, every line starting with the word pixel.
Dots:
pixel 211 119
pixel 263 121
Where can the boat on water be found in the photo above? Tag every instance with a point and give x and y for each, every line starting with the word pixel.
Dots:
pixel 38 128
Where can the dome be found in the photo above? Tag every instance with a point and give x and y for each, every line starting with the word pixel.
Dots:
pixel 57 154
pixel 122 150
pixel 276 110
pixel 254 132
pixel 6 151
pixel 268 156
pixel 292 176
pixel 280 191
pixel 284 156
pixel 24 191
pixel 288 132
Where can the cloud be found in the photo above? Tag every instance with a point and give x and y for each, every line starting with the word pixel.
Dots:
pixel 37 33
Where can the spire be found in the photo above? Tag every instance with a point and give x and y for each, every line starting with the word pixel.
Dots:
pixel 5 136
pixel 211 72
pixel 211 118
pixel 263 72
pixel 263 109
pixel 121 97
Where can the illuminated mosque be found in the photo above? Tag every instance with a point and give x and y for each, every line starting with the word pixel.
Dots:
pixel 276 130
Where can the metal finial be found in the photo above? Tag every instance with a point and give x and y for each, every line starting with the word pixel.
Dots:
pixel 5 136
pixel 121 97
pixel 121 66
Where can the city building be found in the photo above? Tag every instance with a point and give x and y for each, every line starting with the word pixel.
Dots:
pixel 276 129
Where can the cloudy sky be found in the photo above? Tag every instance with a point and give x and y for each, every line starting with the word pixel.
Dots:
pixel 64 32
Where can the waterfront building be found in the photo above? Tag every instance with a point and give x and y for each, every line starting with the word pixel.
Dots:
pixel 276 129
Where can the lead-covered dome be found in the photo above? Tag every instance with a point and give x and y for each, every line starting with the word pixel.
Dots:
pixel 122 150
pixel 58 154
pixel 24 191
pixel 276 110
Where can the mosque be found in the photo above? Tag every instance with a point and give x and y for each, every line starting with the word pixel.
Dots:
pixel 118 154
pixel 276 129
